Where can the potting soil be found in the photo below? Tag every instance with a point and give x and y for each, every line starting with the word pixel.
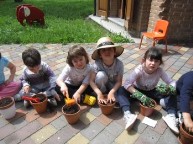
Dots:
pixel 71 109
pixel 5 101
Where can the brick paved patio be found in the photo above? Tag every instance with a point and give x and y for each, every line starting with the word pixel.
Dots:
pixel 28 127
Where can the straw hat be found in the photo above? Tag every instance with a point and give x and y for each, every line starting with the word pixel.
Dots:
pixel 106 42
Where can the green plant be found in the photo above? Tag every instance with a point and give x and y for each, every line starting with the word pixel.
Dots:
pixel 65 22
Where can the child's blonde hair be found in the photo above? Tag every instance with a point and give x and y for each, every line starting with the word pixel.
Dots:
pixel 76 51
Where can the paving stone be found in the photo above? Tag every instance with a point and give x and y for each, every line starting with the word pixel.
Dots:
pixel 59 122
pixel 114 128
pixel 160 126
pixel 43 134
pixel 139 126
pixel 19 123
pixel 127 137
pixel 46 118
pixel 6 130
pixel 87 118
pixel 104 119
pixel 92 130
pixel 28 130
pixel 95 111
pixel 31 116
pixel 148 137
pixel 103 137
pixel 78 138
pixel 3 122
pixel 61 137
pixel 168 137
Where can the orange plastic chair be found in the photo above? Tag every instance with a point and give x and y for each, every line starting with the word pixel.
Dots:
pixel 159 33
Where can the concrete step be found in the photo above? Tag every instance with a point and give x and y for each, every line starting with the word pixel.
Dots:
pixel 114 27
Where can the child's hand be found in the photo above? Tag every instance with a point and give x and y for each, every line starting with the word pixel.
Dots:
pixel 76 96
pixel 64 90
pixel 102 99
pixel 111 98
pixel 27 89
pixel 8 81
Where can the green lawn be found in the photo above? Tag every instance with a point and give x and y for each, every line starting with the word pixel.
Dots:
pixel 66 22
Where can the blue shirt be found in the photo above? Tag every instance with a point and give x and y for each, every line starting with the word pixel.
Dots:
pixel 3 63
pixel 184 88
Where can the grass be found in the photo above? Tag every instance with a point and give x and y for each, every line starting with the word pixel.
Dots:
pixel 66 22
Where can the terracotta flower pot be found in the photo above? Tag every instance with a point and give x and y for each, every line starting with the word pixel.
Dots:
pixel 106 109
pixel 71 113
pixel 41 106
pixel 185 137
pixel 7 107
pixel 146 111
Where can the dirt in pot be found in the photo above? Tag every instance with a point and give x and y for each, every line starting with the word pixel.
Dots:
pixel 71 109
pixel 5 102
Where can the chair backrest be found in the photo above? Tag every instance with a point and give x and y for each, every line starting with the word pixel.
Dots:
pixel 161 27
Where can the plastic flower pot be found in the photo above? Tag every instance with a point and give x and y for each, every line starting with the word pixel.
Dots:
pixel 7 107
pixel 184 136
pixel 147 111
pixel 106 109
pixel 71 113
pixel 41 106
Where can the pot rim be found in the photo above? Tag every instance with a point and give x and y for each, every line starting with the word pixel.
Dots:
pixel 181 127
pixel 34 103
pixel 9 105
pixel 73 113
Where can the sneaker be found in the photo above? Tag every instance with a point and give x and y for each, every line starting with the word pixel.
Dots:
pixel 52 101
pixel 170 120
pixel 129 119
pixel 26 103
pixel 180 117
pixel 17 97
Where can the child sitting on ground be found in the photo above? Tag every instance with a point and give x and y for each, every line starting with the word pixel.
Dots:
pixel 141 84
pixel 106 78
pixel 74 79
pixel 8 87
pixel 184 89
pixel 37 77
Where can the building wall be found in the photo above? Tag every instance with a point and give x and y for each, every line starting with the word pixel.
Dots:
pixel 180 16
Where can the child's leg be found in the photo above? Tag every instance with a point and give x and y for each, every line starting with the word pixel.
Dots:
pixel 122 97
pixel 101 81
pixel 10 89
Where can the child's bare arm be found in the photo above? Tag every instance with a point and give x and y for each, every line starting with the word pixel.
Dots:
pixel 78 93
pixel 12 69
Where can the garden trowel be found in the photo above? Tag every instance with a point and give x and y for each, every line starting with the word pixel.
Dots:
pixel 31 99
pixel 69 101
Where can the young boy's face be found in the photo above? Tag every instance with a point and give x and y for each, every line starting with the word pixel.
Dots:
pixel 107 53
pixel 34 69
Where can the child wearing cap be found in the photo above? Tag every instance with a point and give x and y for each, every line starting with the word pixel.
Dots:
pixel 107 74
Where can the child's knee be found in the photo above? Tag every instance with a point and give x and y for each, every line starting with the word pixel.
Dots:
pixel 101 78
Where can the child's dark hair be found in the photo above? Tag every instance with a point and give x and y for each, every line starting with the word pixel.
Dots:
pixel 153 53
pixel 76 51
pixel 31 57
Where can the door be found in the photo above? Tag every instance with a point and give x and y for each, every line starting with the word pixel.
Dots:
pixel 103 8
pixel 128 13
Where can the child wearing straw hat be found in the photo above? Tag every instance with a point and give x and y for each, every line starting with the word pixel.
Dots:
pixel 107 74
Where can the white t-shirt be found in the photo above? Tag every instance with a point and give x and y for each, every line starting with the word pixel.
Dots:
pixel 74 76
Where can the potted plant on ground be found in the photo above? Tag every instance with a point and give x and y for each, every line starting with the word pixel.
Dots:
pixel 7 107
pixel 41 105
pixel 71 112
pixel 106 108
pixel 147 110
